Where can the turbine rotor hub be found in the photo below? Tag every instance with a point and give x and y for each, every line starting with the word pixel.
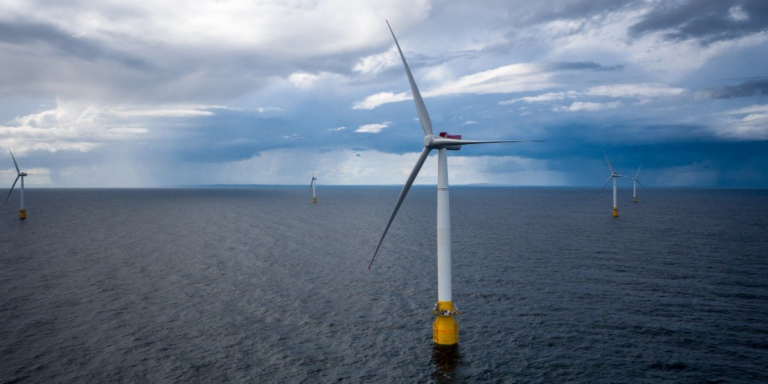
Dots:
pixel 428 139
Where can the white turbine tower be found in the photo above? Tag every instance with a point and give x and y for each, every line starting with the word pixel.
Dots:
pixel 312 188
pixel 636 181
pixel 20 175
pixel 445 330
pixel 613 177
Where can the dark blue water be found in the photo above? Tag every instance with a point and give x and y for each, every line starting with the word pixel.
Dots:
pixel 260 285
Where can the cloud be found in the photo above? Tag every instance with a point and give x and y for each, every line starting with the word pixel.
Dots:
pixel 586 106
pixel 52 38
pixel 373 64
pixel 745 89
pixel 139 51
pixel 171 87
pixel 380 99
pixel 372 128
pixel 506 79
pixel 640 90
pixel 73 127
pixel 748 110
pixel 268 109
pixel 543 98
pixel 302 80
pixel 645 91
pixel 749 123
pixel 469 122
pixel 582 66
pixel 704 21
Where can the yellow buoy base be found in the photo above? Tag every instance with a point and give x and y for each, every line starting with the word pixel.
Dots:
pixel 615 212
pixel 314 200
pixel 22 214
pixel 634 199
pixel 445 329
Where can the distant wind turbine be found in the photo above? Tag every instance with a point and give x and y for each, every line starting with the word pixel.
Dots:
pixel 445 330
pixel 20 175
pixel 636 181
pixel 613 177
pixel 313 189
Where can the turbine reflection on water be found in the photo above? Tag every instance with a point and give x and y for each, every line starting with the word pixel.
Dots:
pixel 445 360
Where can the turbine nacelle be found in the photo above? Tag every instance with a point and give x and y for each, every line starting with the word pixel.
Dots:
pixel 444 140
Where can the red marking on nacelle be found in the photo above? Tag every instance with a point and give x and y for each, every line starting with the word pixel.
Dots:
pixel 447 136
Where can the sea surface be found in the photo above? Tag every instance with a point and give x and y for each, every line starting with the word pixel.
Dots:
pixel 259 285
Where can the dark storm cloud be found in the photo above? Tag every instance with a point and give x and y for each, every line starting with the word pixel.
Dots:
pixel 708 21
pixel 25 34
pixel 746 89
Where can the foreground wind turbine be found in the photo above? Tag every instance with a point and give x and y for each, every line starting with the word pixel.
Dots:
pixel 313 189
pixel 445 330
pixel 20 175
pixel 613 177
pixel 636 181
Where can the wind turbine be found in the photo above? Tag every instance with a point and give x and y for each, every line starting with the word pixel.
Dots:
pixel 312 188
pixel 20 175
pixel 636 181
pixel 445 330
pixel 613 177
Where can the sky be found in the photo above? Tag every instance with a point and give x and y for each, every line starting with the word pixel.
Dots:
pixel 165 93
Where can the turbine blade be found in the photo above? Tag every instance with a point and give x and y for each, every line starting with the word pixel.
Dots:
pixel 641 184
pixel 9 192
pixel 406 188
pixel 606 183
pixel 441 142
pixel 609 163
pixel 638 171
pixel 421 109
pixel 14 161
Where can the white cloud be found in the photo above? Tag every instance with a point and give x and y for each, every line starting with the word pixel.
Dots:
pixel 751 125
pixel 737 14
pixel 469 122
pixel 74 127
pixel 373 64
pixel 506 79
pixel 751 109
pixel 638 90
pixel 337 129
pixel 379 99
pixel 644 91
pixel 268 109
pixel 586 106
pixel 372 128
pixel 302 80
pixel 547 97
